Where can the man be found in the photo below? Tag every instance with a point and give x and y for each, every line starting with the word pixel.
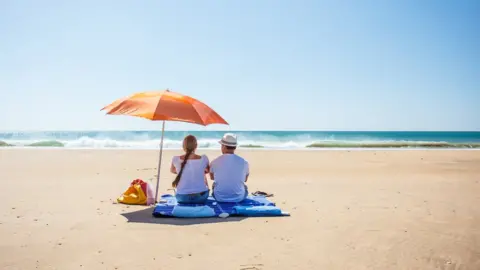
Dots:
pixel 230 172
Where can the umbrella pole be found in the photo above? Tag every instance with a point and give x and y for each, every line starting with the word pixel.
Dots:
pixel 159 161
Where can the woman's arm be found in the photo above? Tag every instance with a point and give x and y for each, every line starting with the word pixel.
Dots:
pixel 173 169
pixel 207 169
pixel 207 166
pixel 206 181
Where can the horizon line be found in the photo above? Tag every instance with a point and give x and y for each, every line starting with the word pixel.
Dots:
pixel 225 130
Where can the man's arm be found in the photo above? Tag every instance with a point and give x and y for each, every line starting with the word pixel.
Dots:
pixel 247 171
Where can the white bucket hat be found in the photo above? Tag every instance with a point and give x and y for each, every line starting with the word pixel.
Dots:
pixel 229 139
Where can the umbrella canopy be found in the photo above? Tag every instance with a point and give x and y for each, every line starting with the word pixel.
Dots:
pixel 165 106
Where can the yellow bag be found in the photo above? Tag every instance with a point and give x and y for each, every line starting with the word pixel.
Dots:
pixel 133 195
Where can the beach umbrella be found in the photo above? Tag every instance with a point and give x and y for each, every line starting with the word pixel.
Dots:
pixel 165 106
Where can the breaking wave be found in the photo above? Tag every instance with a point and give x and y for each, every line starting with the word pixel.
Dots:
pixel 247 139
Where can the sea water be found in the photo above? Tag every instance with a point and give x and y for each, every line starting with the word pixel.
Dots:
pixel 246 139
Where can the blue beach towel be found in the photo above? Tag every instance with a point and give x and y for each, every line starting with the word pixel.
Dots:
pixel 257 211
pixel 254 206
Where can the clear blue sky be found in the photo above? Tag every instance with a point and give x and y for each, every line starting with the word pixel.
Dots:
pixel 271 64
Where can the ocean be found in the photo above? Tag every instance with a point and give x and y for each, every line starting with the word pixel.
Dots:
pixel 247 139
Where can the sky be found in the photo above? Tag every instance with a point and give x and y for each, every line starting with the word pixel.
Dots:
pixel 262 65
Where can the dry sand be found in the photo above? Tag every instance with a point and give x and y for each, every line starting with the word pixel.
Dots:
pixel 350 210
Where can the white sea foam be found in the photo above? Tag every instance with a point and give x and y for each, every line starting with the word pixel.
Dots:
pixel 254 139
pixel 86 142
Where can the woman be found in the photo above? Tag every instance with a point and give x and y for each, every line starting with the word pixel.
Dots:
pixel 190 183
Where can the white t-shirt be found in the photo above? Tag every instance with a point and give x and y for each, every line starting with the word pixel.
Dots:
pixel 193 176
pixel 229 172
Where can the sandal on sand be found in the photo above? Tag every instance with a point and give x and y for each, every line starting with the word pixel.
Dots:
pixel 261 193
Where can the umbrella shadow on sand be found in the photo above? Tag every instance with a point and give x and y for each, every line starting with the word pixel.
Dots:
pixel 145 216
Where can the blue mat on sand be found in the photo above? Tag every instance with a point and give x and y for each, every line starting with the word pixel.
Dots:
pixel 251 206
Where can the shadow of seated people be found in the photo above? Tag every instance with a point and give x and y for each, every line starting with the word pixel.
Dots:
pixel 145 216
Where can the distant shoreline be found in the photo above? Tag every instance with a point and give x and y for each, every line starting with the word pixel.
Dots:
pixel 238 150
pixel 234 131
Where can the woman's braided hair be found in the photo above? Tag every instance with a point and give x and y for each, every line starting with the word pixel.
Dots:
pixel 189 145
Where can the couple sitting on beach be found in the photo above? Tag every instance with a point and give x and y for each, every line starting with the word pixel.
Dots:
pixel 229 173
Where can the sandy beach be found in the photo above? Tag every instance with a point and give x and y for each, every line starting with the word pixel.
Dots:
pixel 349 210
